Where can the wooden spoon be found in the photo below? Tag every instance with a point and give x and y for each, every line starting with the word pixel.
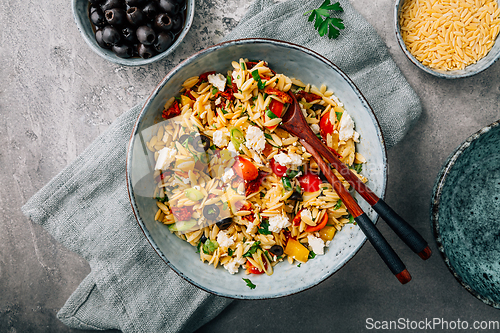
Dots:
pixel 294 122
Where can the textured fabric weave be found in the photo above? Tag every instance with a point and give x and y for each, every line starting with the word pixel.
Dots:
pixel 86 206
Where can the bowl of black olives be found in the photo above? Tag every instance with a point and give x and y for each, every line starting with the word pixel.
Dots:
pixel 133 32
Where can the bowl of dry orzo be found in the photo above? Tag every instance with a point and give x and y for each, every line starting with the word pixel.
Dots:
pixel 229 200
pixel 449 38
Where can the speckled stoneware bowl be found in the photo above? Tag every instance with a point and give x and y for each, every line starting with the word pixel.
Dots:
pixel 294 61
pixel 80 14
pixel 470 70
pixel 465 214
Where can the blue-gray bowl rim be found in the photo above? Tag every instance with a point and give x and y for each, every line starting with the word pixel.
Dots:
pixel 156 91
pixel 437 73
pixel 435 202
pixel 134 61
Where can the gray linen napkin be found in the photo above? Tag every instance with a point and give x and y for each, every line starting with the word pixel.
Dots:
pixel 86 206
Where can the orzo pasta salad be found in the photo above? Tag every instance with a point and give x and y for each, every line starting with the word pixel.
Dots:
pixel 242 191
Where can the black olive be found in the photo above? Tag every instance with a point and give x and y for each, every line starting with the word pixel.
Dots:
pixel 151 10
pixel 133 3
pixel 184 137
pixel 163 41
pixel 177 22
pixel 128 34
pixel 323 177
pixel 203 239
pixel 316 107
pixel 135 16
pixel 116 16
pixel 145 35
pixel 122 51
pixel 163 22
pixel 108 4
pixel 225 223
pixel 98 38
pixel 296 196
pixel 276 250
pixel 95 2
pixel 180 2
pixel 93 9
pixel 201 143
pixel 169 6
pixel 211 212
pixel 98 18
pixel 145 51
pixel 110 35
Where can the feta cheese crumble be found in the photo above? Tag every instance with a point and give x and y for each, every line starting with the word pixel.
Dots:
pixel 306 214
pixel 232 148
pixel 224 240
pixel 228 175
pixel 220 139
pixel 316 244
pixel 346 130
pixel 218 81
pixel 233 265
pixel 290 160
pixel 278 222
pixel 255 139
pixel 165 157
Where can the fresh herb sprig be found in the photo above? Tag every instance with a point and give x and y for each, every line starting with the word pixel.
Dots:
pixel 330 25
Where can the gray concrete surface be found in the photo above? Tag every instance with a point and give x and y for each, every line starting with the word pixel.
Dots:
pixel 56 96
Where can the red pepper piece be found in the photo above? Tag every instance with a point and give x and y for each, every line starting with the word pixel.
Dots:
pixel 297 218
pixel 309 97
pixel 172 111
pixel 254 185
pixel 182 213
pixel 335 152
pixel 188 94
pixel 319 226
pixel 284 96
pixel 204 76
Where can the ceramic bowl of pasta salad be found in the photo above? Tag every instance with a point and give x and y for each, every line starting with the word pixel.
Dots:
pixel 228 199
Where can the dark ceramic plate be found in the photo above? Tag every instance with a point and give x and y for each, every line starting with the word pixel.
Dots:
pixel 465 214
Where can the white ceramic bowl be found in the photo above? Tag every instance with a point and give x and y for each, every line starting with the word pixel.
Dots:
pixel 470 70
pixel 80 14
pixel 294 61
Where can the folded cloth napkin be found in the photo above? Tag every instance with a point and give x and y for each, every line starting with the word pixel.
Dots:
pixel 86 206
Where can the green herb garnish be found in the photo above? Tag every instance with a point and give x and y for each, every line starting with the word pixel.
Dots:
pixel 255 246
pixel 287 185
pixel 311 255
pixel 210 246
pixel 339 115
pixel 250 284
pixel 292 173
pixel 332 25
pixel 338 205
pixel 230 252
pixel 357 167
pixel 264 228
pixel 299 265
pixel 351 219
pixel 256 77
pixel 270 114
pixel 214 90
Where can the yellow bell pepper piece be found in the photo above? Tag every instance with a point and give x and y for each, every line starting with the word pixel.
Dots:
pixel 327 233
pixel 186 101
pixel 296 250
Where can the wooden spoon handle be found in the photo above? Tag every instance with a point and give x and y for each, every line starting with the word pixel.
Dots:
pixel 374 236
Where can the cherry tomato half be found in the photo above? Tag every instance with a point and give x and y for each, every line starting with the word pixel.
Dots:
pixel 276 107
pixel 254 270
pixel 245 169
pixel 325 125
pixel 278 169
pixel 309 182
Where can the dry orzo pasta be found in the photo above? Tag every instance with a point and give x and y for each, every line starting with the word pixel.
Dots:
pixel 238 188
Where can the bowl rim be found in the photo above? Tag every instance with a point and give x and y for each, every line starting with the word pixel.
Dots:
pixel 437 73
pixel 134 61
pixel 435 204
pixel 167 77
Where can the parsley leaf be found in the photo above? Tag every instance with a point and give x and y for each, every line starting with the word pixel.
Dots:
pixel 270 114
pixel 311 255
pixel 330 25
pixel 268 136
pixel 264 228
pixel 255 246
pixel 256 77
pixel 338 205
pixel 210 246
pixel 250 284
pixel 230 252
pixel 357 167
pixel 339 115
pixel 214 90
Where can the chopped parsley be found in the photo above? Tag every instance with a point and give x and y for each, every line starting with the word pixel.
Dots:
pixel 358 167
pixel 351 219
pixel 264 228
pixel 230 252
pixel 215 90
pixel 292 173
pixel 270 114
pixel 299 265
pixel 330 25
pixel 255 246
pixel 250 284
